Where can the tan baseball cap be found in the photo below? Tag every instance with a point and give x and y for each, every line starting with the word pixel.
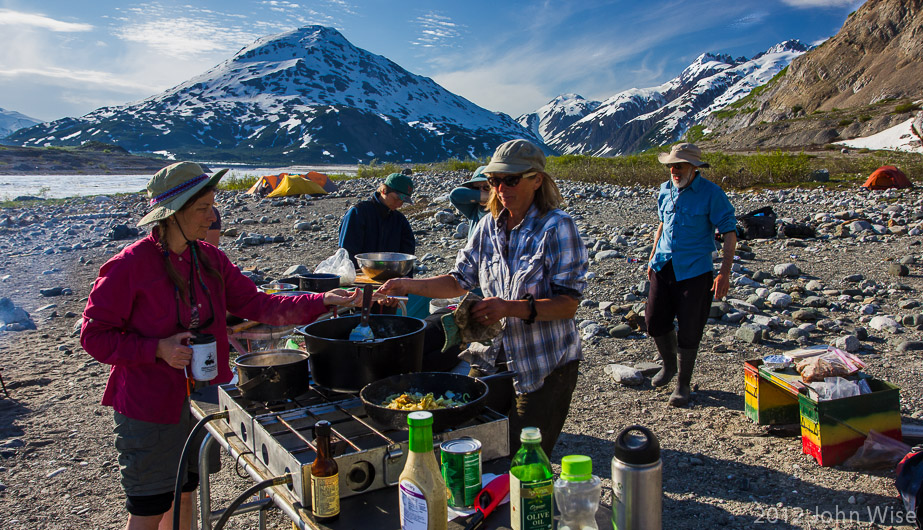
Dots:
pixel 516 156
pixel 683 153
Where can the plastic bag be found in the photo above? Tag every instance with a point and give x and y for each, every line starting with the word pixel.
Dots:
pixel 836 388
pixel 878 451
pixel 339 264
pixel 833 363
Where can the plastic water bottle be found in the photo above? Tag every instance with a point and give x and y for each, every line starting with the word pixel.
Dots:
pixel 577 494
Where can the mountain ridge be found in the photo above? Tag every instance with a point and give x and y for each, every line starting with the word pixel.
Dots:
pixel 306 95
pixel 639 118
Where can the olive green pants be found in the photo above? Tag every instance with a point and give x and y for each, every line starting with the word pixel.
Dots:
pixel 545 408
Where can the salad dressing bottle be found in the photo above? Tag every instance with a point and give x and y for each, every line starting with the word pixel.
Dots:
pixel 423 498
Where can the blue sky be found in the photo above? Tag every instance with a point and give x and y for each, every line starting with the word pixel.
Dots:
pixel 67 58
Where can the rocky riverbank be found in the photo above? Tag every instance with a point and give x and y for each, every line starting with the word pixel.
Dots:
pixel 856 283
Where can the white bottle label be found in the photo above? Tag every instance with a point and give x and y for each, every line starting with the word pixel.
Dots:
pixel 414 515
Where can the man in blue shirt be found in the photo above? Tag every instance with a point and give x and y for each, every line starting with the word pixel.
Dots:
pixel 690 209
pixel 375 225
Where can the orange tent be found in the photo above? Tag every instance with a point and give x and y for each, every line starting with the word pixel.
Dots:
pixel 267 184
pixel 264 185
pixel 887 177
pixel 322 180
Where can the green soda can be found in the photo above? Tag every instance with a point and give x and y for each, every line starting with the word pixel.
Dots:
pixel 461 470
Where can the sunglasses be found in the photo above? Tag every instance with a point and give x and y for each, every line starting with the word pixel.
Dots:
pixel 510 181
pixel 676 165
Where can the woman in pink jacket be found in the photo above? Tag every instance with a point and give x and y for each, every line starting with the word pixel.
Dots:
pixel 147 301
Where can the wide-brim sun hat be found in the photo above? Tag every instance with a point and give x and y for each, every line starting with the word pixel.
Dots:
pixel 683 153
pixel 173 186
pixel 516 156
pixel 477 178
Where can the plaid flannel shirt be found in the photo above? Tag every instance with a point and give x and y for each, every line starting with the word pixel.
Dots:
pixel 544 256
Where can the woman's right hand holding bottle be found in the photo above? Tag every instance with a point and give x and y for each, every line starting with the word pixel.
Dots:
pixel 174 352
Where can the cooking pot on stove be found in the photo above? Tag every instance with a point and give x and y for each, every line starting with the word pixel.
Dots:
pixel 344 365
pixel 315 282
pixel 273 375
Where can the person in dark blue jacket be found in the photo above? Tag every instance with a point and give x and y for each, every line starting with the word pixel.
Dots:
pixel 375 225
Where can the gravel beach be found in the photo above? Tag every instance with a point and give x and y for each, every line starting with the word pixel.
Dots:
pixel 858 283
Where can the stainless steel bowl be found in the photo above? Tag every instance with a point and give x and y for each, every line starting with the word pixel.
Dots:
pixel 382 266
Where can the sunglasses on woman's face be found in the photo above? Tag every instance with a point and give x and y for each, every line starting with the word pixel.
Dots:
pixel 510 181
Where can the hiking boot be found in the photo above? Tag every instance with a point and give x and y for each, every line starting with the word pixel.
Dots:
pixel 680 396
pixel 666 346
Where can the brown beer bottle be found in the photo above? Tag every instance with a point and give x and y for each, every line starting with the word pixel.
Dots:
pixel 325 477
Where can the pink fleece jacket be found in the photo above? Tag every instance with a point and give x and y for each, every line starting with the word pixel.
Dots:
pixel 132 306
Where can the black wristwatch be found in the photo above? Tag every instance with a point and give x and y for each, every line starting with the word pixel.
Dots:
pixel 533 312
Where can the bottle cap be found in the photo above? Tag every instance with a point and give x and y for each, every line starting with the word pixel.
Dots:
pixel 530 434
pixel 420 418
pixel 637 445
pixel 576 468
pixel 201 338
pixel 322 428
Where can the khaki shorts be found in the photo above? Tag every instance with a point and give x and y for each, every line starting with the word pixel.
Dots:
pixel 149 453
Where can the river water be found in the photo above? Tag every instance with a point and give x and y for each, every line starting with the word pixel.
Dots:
pixel 60 186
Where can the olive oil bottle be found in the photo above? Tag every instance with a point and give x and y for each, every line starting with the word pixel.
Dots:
pixel 531 485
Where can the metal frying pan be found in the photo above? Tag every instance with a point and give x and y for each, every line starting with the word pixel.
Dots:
pixel 374 394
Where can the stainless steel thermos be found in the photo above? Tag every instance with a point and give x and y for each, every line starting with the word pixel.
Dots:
pixel 637 486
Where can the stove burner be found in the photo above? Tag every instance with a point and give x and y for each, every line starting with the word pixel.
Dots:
pixel 369 457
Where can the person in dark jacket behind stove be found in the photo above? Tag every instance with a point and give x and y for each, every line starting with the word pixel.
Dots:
pixel 375 225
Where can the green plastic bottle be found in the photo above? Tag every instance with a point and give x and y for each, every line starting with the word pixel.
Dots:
pixel 531 485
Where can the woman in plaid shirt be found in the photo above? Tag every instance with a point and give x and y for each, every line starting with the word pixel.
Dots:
pixel 530 262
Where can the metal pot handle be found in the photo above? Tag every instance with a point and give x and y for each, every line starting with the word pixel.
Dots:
pixel 269 374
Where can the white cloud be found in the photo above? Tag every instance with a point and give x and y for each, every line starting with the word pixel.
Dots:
pixel 821 3
pixel 67 77
pixel 9 17
pixel 184 37
pixel 436 31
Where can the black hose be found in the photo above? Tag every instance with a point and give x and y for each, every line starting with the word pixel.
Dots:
pixel 275 481
pixel 177 489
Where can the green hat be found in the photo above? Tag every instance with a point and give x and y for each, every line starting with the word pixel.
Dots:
pixel 173 186
pixel 477 178
pixel 402 184
pixel 516 156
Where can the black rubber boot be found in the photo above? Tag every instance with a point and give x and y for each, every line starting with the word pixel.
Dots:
pixel 680 396
pixel 666 345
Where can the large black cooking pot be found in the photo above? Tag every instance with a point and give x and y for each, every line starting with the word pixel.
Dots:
pixel 475 390
pixel 273 375
pixel 344 365
pixel 316 282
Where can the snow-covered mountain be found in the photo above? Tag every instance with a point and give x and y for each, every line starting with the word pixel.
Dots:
pixel 637 119
pixel 11 121
pixel 557 115
pixel 306 95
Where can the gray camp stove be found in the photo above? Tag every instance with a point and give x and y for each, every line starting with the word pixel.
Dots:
pixel 369 458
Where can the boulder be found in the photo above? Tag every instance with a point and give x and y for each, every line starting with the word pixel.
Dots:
pixel 624 375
